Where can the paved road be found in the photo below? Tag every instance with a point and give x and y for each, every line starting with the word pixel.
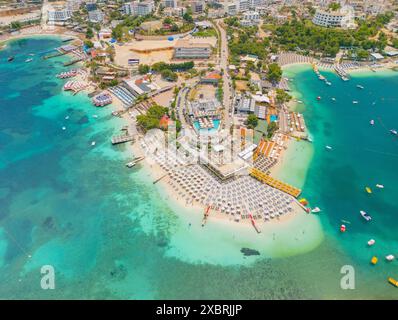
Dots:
pixel 44 15
pixel 180 105
pixel 227 85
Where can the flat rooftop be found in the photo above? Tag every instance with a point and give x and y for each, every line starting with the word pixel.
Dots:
pixel 189 44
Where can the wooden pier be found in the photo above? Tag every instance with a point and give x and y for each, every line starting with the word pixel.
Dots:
pixel 157 180
pixel 205 216
pixel 277 184
pixel 57 54
pixel 68 63
pixel 122 139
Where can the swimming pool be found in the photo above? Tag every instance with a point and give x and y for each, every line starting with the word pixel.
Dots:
pixel 273 117
pixel 216 123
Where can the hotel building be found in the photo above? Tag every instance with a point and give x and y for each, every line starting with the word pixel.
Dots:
pixel 59 16
pixel 187 50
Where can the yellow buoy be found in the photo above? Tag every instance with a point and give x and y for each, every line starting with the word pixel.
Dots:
pixel 368 190
pixel 374 260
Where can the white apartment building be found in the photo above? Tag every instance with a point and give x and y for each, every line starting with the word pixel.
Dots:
pixel 58 16
pixel 197 7
pixel 251 15
pixel 243 5
pixel 342 18
pixel 250 18
pixel 169 3
pixel 256 3
pixel 263 10
pixel 215 13
pixel 73 5
pixel 174 12
pixel 138 8
pixel 230 8
pixel 188 50
pixel 96 16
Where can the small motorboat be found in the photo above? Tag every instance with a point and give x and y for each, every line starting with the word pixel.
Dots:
pixel 371 242
pixel 374 260
pixel 63 128
pixel 359 86
pixel 93 143
pixel 328 83
pixel 67 118
pixel 10 58
pixel 333 99
pixel 95 116
pixel 318 98
pixel 368 190
pixel 328 147
pixel 130 164
pixel 390 257
pixel 355 102
pixel 380 186
pixel 316 210
pixel 372 122
pixel 29 60
pixel 343 228
pixel 394 132
pixel 365 215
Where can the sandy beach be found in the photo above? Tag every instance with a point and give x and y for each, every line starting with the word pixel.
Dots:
pixel 291 234
pixel 36 31
pixel 157 172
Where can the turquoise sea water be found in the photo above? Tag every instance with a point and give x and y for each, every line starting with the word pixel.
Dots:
pixel 362 155
pixel 110 233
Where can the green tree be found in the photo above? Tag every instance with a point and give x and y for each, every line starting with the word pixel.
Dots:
pixel 168 20
pixel 274 72
pixel 89 33
pixel 252 121
pixel 282 96
pixel 187 17
pixel 143 68
pixel 151 119
pixel 88 43
pixel 272 127
pixel 169 75
pixel 15 25
pixel 334 6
